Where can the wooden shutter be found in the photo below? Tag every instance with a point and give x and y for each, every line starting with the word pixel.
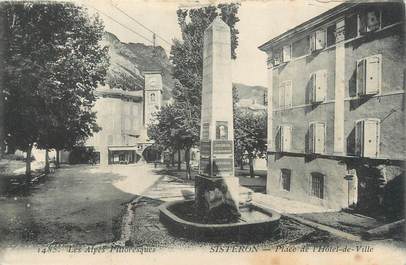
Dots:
pixel 361 69
pixel 312 41
pixel 359 137
pixel 281 95
pixel 288 94
pixel 287 138
pixel 373 75
pixel 312 87
pixel 278 139
pixel 311 138
pixel 286 53
pixel 320 86
pixel 277 57
pixel 320 42
pixel 319 135
pixel 371 138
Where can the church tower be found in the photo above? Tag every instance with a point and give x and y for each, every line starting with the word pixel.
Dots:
pixel 152 94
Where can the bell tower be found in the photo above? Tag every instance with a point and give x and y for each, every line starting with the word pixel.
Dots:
pixel 152 95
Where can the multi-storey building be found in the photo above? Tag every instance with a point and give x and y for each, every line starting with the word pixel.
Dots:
pixel 336 120
pixel 124 117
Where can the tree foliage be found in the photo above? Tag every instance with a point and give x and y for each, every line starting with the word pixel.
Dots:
pixel 54 64
pixel 250 132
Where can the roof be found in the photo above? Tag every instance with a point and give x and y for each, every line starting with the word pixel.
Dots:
pixel 309 24
pixel 137 94
pixel 152 71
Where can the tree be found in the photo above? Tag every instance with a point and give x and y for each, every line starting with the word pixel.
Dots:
pixel 163 130
pixel 187 58
pixel 250 135
pixel 3 54
pixel 54 64
pixel 238 148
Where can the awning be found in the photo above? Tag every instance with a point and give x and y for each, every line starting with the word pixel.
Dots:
pixel 122 148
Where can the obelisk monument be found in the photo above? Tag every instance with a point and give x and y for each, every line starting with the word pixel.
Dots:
pixel 216 186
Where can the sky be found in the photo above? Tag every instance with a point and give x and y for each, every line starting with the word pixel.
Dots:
pixel 259 22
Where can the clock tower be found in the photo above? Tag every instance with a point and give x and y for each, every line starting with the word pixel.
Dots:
pixel 152 95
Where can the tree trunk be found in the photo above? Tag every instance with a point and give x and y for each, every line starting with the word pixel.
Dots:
pixel 173 159
pixel 251 167
pixel 179 160
pixel 46 169
pixel 187 160
pixel 57 159
pixel 28 163
pixel 3 54
pixel 242 163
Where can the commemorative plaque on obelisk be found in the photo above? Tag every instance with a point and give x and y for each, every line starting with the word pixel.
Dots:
pixel 216 186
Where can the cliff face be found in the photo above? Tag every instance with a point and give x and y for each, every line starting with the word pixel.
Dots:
pixel 129 60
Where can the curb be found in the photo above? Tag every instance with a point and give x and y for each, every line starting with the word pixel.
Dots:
pixel 322 227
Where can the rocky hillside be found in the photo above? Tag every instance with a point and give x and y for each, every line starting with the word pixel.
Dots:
pixel 128 60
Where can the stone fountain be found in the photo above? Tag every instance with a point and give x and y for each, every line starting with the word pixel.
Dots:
pixel 216 212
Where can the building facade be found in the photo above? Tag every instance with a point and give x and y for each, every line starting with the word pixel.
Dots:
pixel 336 122
pixel 124 117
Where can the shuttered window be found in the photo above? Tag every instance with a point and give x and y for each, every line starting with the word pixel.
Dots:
pixel 367 138
pixel 318 86
pixel 318 40
pixel 369 72
pixel 284 138
pixel 285 94
pixel 287 53
pixel 317 138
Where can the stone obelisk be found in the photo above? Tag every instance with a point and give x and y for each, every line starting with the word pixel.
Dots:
pixel 216 186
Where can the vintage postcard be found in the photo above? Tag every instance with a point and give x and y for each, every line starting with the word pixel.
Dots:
pixel 202 132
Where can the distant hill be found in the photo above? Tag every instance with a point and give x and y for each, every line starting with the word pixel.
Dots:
pixel 128 60
pixel 259 93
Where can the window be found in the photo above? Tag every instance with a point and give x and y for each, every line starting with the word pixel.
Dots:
pixel 285 94
pixel 285 179
pixel 284 138
pixel 318 40
pixel 318 81
pixel 392 13
pixel 339 31
pixel 317 134
pixel 351 26
pixel 367 137
pixel 331 35
pixel 369 71
pixel 277 57
pixel 369 20
pixel 287 53
pixel 152 97
pixel 300 47
pixel 317 185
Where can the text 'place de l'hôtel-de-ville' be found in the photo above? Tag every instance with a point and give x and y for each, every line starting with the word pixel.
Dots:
pixel 336 109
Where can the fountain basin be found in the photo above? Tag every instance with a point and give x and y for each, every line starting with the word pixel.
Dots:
pixel 255 223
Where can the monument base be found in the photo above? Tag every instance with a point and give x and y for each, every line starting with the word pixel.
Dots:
pixel 216 199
